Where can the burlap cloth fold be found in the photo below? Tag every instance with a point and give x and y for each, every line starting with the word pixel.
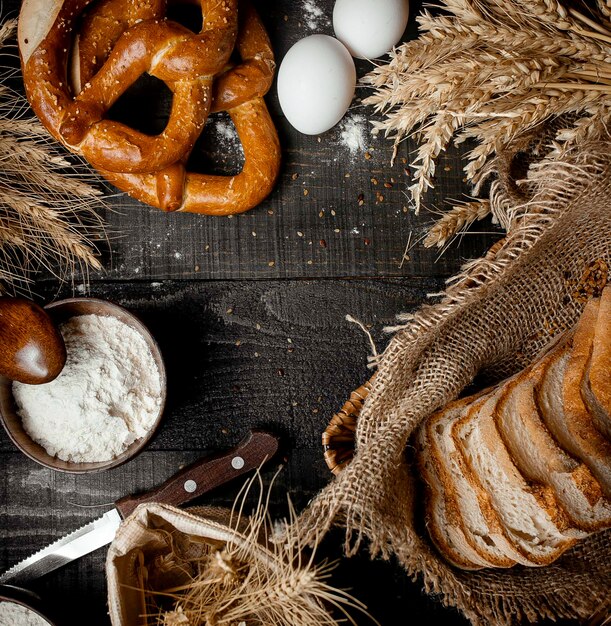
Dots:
pixel 496 316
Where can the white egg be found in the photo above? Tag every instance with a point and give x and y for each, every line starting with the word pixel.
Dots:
pixel 316 84
pixel 370 28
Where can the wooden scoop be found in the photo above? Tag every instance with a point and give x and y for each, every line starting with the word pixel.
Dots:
pixel 32 350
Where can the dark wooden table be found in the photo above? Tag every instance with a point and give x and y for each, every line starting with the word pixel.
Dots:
pixel 250 313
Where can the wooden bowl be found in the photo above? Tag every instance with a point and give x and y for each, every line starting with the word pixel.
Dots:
pixel 16 595
pixel 60 312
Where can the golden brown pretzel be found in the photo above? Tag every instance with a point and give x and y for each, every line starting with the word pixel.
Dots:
pixel 116 43
pixel 185 61
pixel 239 91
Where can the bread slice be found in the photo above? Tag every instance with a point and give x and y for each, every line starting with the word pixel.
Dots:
pixel 596 385
pixel 529 512
pixel 482 527
pixel 539 458
pixel 442 519
pixel 563 410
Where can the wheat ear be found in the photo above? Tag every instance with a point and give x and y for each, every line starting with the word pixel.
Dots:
pixel 455 222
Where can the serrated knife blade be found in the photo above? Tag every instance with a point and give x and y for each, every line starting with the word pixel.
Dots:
pixel 191 482
pixel 86 539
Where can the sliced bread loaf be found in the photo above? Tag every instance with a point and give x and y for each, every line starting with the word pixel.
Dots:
pixel 481 526
pixel 529 512
pixel 539 458
pixel 443 522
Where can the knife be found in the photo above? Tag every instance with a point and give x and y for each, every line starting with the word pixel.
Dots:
pixel 188 484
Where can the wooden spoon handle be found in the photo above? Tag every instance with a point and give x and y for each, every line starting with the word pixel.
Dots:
pixel 207 473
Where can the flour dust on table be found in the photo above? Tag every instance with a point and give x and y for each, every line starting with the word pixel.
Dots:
pixel 107 396
pixel 354 133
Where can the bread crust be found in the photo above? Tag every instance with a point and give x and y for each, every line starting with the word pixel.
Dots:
pixel 493 545
pixel 596 385
pixel 443 522
pixel 586 438
pixel 526 465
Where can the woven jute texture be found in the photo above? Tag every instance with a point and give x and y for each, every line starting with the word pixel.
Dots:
pixel 494 318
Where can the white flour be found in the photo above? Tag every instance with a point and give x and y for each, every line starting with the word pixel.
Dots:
pixel 353 133
pixel 13 614
pixel 107 396
pixel 227 136
pixel 315 16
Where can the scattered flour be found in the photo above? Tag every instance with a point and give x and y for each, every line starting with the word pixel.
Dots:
pixel 353 133
pixel 227 135
pixel 13 614
pixel 315 17
pixel 107 396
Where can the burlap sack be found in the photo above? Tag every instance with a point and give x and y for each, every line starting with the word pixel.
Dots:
pixel 153 532
pixel 214 566
pixel 496 316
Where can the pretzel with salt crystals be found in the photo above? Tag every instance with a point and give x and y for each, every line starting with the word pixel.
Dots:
pixel 239 91
pixel 118 40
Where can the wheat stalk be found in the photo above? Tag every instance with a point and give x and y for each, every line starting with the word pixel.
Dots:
pixel 456 221
pixel 49 207
pixel 495 72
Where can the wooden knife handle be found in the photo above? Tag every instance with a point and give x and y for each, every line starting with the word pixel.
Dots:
pixel 207 473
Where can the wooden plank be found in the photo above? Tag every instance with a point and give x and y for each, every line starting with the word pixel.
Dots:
pixel 243 354
pixel 323 234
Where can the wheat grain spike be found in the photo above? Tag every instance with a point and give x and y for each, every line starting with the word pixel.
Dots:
pixel 49 205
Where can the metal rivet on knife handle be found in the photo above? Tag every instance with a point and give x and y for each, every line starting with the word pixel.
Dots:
pixel 190 486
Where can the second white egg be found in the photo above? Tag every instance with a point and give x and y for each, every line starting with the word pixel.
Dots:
pixel 316 84
pixel 370 28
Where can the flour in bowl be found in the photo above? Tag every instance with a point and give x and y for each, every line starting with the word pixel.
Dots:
pixel 13 614
pixel 107 396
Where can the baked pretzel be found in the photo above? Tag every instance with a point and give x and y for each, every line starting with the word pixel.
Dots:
pixel 117 42
pixel 239 91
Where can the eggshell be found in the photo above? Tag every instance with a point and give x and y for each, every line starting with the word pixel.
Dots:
pixel 370 28
pixel 316 84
